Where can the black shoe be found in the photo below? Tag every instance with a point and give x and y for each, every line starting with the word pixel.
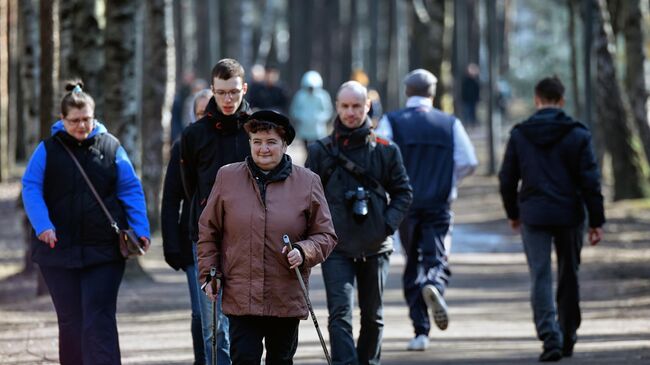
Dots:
pixel 567 349
pixel 550 355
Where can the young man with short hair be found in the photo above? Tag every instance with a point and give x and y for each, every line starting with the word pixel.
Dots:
pixel 208 144
pixel 551 155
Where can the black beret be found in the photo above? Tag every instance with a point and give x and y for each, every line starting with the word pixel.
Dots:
pixel 277 119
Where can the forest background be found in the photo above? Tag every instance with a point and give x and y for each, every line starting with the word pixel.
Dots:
pixel 134 56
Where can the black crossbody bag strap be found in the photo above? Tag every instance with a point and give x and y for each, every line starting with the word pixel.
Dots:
pixel 358 172
pixel 91 186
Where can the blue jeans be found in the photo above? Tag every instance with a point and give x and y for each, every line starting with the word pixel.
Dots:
pixel 339 274
pixel 554 326
pixel 197 331
pixel 223 338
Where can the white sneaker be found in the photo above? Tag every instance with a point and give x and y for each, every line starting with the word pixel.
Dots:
pixel 419 343
pixel 437 304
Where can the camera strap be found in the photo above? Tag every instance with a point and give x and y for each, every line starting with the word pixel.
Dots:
pixel 358 172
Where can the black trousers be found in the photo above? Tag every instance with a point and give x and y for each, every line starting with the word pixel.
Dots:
pixel 280 337
pixel 85 301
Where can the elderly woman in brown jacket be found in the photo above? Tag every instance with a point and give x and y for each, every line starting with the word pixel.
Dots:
pixel 251 206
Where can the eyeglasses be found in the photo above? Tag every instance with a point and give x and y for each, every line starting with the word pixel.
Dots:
pixel 79 121
pixel 232 93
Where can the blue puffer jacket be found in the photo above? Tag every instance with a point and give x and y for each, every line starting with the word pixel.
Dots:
pixel 551 154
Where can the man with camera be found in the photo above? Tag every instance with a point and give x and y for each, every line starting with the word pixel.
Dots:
pixel 368 193
pixel 437 154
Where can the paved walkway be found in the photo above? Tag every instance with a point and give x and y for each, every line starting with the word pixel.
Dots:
pixel 488 298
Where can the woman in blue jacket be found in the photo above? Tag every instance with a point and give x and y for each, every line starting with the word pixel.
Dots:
pixel 74 244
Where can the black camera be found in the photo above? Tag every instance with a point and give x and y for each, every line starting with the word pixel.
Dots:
pixel 359 200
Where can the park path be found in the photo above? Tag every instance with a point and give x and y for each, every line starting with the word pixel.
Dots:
pixel 488 298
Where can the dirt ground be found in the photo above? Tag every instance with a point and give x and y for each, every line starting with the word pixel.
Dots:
pixel 488 297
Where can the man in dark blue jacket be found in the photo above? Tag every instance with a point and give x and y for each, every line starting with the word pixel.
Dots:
pixel 551 154
pixel 437 155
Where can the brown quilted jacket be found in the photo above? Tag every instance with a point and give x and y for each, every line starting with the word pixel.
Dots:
pixel 242 237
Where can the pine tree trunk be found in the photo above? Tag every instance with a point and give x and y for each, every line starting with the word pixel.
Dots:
pixel 575 89
pixel 611 116
pixel 635 76
pixel 49 73
pixel 4 91
pixel 29 74
pixel 120 80
pixel 155 85
pixel 81 52
pixel 428 40
pixel 122 85
pixel 15 111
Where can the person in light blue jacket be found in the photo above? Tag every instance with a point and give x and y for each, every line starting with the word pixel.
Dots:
pixel 73 243
pixel 311 108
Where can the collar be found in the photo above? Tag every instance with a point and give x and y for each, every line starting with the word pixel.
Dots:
pixel 418 101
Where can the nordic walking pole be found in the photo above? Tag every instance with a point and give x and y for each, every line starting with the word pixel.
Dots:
pixel 287 243
pixel 215 282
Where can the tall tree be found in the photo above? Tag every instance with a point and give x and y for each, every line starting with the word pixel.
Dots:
pixel 611 116
pixel 81 52
pixel 15 106
pixel 155 90
pixel 120 79
pixel 4 91
pixel 123 84
pixel 49 72
pixel 635 84
pixel 427 36
pixel 29 74
pixel 299 15
pixel 575 89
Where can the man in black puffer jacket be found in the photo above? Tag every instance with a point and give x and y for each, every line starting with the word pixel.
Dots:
pixel 551 154
pixel 215 140
pixel 364 234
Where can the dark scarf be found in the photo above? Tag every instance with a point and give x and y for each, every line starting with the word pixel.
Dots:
pixel 280 173
pixel 347 138
pixel 227 124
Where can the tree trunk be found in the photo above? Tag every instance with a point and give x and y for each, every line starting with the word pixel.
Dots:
pixel 231 32
pixel 203 38
pixel 4 91
pixel 331 72
pixel 575 89
pixel 156 47
pixel 48 65
pixel 299 45
pixel 121 83
pixel 15 107
pixel 427 37
pixel 635 76
pixel 267 29
pixel 122 86
pixel 81 52
pixel 611 116
pixel 29 74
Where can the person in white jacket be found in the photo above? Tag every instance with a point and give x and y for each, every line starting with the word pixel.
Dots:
pixel 311 108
